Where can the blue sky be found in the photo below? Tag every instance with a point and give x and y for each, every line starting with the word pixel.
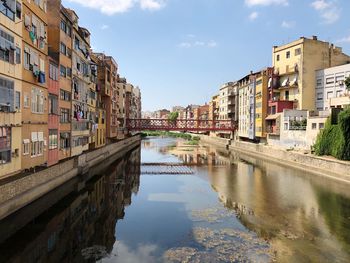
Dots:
pixel 181 51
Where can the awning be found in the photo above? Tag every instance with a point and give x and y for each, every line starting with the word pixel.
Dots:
pixel 272 117
pixel 294 81
pixel 270 83
pixel 40 136
pixel 285 82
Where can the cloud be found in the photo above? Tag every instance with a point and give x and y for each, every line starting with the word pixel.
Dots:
pixel 209 44
pixel 344 40
pixel 288 24
pixel 253 16
pixel 266 2
pixel 111 7
pixel 328 10
pixel 104 27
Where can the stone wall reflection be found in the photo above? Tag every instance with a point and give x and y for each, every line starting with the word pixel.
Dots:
pixel 82 226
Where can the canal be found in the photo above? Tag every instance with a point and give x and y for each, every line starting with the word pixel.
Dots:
pixel 224 207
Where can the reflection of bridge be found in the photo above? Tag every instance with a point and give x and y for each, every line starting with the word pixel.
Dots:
pixel 179 125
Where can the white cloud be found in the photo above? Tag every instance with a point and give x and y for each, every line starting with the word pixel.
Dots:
pixel 344 40
pixel 104 27
pixel 209 44
pixel 111 7
pixel 266 2
pixel 253 16
pixel 288 24
pixel 328 10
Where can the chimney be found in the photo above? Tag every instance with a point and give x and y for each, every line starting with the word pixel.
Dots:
pixel 314 37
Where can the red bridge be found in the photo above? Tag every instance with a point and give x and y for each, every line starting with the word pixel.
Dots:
pixel 179 125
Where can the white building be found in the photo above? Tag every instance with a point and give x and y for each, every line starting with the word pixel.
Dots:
pixel 330 87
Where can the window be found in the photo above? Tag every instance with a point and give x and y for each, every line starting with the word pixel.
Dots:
pixel 53 139
pixel 297 51
pixel 288 54
pixel 78 66
pixel 319 82
pixel 76 43
pixel 26 101
pixel 7 47
pixel 314 126
pixel 65 95
pixel 18 10
pixel 286 126
pixel 339 78
pixel 329 94
pixel 26 146
pixel 8 8
pixel 278 58
pixel 69 72
pixel 69 52
pixel 64 140
pixel 6 95
pixel 64 118
pixel 339 93
pixel 53 104
pixel 321 126
pixel 18 55
pixel 63 49
pixel 27 59
pixel 330 80
pixel 18 101
pixel 37 144
pixel 37 100
pixel 53 72
pixel 63 71
pixel 287 95
pixel 63 26
pixel 5 145
pixel 319 95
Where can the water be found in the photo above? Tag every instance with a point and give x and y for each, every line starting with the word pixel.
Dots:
pixel 231 209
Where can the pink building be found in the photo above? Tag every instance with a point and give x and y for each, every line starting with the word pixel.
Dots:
pixel 53 124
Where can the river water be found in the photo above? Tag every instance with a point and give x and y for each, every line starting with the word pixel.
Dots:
pixel 230 208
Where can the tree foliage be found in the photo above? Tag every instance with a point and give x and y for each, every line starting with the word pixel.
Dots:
pixel 347 82
pixel 334 140
pixel 173 116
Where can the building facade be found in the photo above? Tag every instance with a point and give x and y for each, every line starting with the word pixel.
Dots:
pixel 11 95
pixel 246 104
pixel 331 91
pixel 228 101
pixel 295 64
pixel 35 94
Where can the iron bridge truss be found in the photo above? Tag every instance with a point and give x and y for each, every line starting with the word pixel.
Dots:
pixel 180 125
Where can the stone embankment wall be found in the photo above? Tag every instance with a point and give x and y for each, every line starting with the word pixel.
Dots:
pixel 328 167
pixel 221 142
pixel 17 194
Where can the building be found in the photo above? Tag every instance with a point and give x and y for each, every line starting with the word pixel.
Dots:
pixel 54 118
pixel 295 64
pixel 100 114
pixel 331 91
pixel 34 86
pixel 246 107
pixel 228 99
pixel 202 115
pixel 261 102
pixel 214 108
pixel 82 87
pixel 60 26
pixel 11 95
pixel 121 91
pixel 177 109
pixel 161 114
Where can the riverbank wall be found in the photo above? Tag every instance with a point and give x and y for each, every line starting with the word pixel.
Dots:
pixel 19 193
pixel 321 166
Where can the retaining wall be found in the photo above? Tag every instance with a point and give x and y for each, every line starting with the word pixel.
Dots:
pixel 17 194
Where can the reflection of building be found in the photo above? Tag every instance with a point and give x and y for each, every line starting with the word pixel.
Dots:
pixel 81 220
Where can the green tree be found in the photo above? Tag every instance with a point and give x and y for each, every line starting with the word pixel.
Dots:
pixel 173 116
pixel 347 83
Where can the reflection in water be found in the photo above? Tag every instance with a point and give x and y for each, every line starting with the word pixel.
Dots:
pixel 81 227
pixel 233 209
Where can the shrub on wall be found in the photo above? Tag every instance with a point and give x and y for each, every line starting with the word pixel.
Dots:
pixel 335 139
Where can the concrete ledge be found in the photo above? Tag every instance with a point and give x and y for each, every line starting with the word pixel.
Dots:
pixel 334 169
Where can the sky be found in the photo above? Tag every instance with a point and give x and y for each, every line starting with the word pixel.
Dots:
pixel 180 52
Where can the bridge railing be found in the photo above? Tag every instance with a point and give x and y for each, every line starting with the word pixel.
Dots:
pixel 180 125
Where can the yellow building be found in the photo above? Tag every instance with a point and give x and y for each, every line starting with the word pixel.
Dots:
pixel 261 98
pixel 35 110
pixel 10 90
pixel 295 64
